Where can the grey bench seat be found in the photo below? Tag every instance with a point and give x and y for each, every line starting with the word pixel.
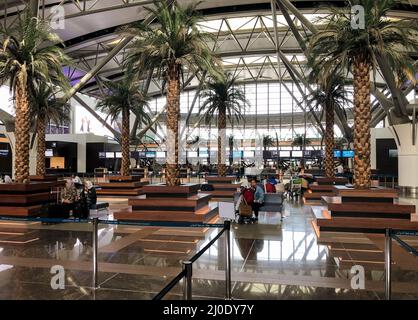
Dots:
pixel 100 205
pixel 273 202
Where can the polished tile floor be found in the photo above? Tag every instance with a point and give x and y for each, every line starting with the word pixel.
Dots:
pixel 270 260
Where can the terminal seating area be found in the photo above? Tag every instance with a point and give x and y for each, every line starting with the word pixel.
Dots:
pixel 323 186
pixel 273 202
pixel 365 211
pixel 224 187
pixel 163 203
pixel 122 186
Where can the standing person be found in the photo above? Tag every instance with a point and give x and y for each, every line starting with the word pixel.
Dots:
pixel 258 198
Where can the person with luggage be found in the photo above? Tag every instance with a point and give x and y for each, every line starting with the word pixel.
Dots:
pixel 244 205
pixel 258 198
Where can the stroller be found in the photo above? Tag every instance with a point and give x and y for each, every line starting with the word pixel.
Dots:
pixel 294 188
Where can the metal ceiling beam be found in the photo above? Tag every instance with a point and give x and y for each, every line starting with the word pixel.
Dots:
pixel 98 67
pixel 292 26
pixel 294 74
pixel 289 66
pixel 301 17
pixel 152 122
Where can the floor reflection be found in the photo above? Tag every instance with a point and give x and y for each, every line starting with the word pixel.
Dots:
pixel 270 260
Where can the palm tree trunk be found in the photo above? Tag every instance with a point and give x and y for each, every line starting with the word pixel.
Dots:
pixel 362 118
pixel 221 142
pixel 231 150
pixel 125 139
pixel 40 133
pixel 173 117
pixel 329 140
pixel 22 126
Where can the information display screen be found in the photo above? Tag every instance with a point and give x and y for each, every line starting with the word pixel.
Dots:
pixel 307 153
pixel 337 153
pixel 102 155
pixel 237 154
pixel 297 154
pixel 284 154
pixel 192 154
pixel 150 154
pixel 393 153
pixel 118 155
pixel 248 154
pixel 161 154
pixel 110 155
pixel 48 153
pixel 348 154
pixel 203 154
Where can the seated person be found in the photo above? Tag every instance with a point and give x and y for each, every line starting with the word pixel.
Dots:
pixel 78 184
pixel 258 198
pixel 69 195
pixel 270 185
pixel 90 195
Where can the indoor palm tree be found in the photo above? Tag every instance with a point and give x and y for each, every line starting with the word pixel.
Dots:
pixel 29 54
pixel 175 45
pixel 223 98
pixel 46 107
pixel 329 94
pixel 268 141
pixel 124 97
pixel 338 46
pixel 301 141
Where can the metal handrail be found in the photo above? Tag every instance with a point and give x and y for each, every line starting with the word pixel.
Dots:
pixel 95 241
pixel 389 235
pixel 187 271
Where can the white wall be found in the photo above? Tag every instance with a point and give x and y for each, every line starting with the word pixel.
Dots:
pixel 81 140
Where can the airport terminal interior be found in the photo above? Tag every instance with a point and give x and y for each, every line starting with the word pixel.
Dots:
pixel 178 150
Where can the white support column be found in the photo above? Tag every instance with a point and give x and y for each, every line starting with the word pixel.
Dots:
pixel 81 153
pixel 407 158
pixel 33 157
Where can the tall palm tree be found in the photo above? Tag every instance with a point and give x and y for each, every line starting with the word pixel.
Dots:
pixel 340 47
pixel 29 54
pixel 175 45
pixel 224 98
pixel 268 141
pixel 46 107
pixel 301 141
pixel 124 97
pixel 329 94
